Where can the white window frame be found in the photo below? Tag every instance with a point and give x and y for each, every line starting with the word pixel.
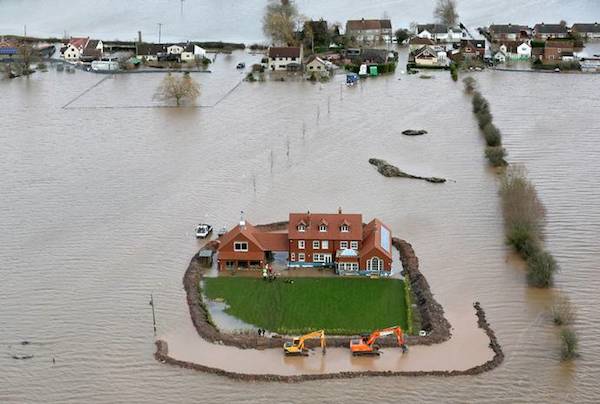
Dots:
pixel 301 257
pixel 354 245
pixel 301 244
pixel 378 267
pixel 343 245
pixel 324 244
pixel 344 228
pixel 323 228
pixel 238 246
pixel 318 257
pixel 301 228
pixel 293 257
pixel 316 244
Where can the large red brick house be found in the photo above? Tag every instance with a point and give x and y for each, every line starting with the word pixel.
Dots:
pixel 337 240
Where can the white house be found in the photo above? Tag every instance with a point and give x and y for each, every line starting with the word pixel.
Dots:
pixel 175 49
pixel 500 57
pixel 439 33
pixel 285 58
pixel 74 48
pixel 524 51
pixel 192 52
pixel 317 65
pixel 589 31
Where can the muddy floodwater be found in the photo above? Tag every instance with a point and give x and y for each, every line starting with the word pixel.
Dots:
pixel 99 201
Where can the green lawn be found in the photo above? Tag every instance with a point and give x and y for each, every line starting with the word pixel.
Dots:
pixel 341 306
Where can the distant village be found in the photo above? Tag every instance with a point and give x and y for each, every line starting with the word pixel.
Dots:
pixel 367 47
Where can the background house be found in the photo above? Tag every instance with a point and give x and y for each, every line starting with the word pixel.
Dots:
pixel 439 33
pixel 285 58
pixel 557 51
pixel 74 48
pixel 416 42
pixel 508 32
pixel 550 31
pixel 149 51
pixel 589 31
pixel 369 31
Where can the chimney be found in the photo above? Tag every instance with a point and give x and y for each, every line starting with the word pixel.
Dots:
pixel 139 36
pixel 242 220
pixel 340 210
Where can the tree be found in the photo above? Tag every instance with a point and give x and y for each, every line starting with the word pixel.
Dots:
pixel 280 21
pixel 401 35
pixel 445 12
pixel 26 56
pixel 178 89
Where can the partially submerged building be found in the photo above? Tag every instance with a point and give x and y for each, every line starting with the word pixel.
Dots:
pixel 334 240
pixel 369 31
pixel 286 58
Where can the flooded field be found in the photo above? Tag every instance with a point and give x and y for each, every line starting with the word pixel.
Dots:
pixel 99 202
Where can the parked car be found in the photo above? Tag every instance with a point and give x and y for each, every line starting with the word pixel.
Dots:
pixel 241 65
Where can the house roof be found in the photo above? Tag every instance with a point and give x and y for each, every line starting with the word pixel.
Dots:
pixel 424 50
pixel 595 27
pixel 435 28
pixel 420 41
pixel 79 42
pixel 91 53
pixel 377 237
pixel 92 43
pixel 149 48
pixel 272 241
pixel 362 25
pixel 473 43
pixel 373 55
pixel 334 220
pixel 550 28
pixel 312 58
pixel 560 44
pixel 264 240
pixel 284 52
pixel 507 28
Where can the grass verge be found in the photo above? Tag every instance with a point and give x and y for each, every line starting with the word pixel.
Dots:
pixel 340 306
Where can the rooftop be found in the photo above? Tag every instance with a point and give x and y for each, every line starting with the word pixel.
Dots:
pixel 361 25
pixel 284 52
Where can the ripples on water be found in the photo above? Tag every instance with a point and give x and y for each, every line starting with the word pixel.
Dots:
pixel 98 208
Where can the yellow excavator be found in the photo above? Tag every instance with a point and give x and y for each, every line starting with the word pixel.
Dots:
pixel 297 348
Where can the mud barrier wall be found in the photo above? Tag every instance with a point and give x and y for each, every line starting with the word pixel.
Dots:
pixel 430 311
pixel 162 355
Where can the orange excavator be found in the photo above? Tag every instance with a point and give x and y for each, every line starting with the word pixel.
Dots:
pixel 296 346
pixel 366 345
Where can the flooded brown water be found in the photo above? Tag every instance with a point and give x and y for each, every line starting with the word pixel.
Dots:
pixel 99 202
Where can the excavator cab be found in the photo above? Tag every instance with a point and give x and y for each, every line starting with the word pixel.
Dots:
pixel 365 345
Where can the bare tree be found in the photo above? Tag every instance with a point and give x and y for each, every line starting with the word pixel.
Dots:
pixel 26 56
pixel 178 89
pixel 280 21
pixel 445 12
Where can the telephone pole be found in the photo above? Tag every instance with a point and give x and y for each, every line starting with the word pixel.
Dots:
pixel 159 31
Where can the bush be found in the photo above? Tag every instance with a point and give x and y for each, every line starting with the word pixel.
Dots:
pixel 479 103
pixel 454 71
pixel 258 68
pixel 540 269
pixel 523 239
pixel 563 313
pixel 523 212
pixel 496 155
pixel 492 135
pixel 250 77
pixel 484 117
pixel 470 85
pixel 568 344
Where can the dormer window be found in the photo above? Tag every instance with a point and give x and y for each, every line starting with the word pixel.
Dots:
pixel 323 228
pixel 301 228
pixel 344 228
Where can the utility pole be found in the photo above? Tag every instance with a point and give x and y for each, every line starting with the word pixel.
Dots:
pixel 153 314
pixel 182 7
pixel 25 30
pixel 159 31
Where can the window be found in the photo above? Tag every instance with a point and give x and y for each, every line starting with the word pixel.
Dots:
pixel 318 257
pixel 325 244
pixel 301 257
pixel 345 228
pixel 301 244
pixel 316 244
pixel 343 245
pixel 375 264
pixel 240 246
pixel 230 264
pixel 323 228
pixel 301 228
pixel 354 245
pixel 293 257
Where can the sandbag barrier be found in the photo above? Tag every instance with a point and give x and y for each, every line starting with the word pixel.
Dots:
pixel 162 355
